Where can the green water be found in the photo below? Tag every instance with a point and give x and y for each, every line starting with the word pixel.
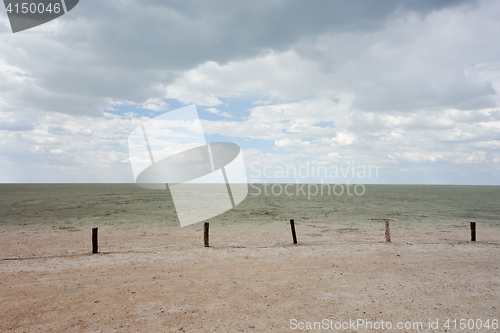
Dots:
pixel 126 204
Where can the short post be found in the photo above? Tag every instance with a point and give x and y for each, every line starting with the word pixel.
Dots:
pixel 205 233
pixel 473 231
pixel 387 232
pixel 94 240
pixel 294 236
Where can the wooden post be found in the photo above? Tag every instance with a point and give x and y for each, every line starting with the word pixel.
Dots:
pixel 473 231
pixel 294 236
pixel 205 232
pixel 387 232
pixel 94 240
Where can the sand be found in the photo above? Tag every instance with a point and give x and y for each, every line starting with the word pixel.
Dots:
pixel 153 276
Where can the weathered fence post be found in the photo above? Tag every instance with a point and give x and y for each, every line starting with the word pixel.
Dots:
pixel 205 233
pixel 387 232
pixel 294 236
pixel 473 231
pixel 94 240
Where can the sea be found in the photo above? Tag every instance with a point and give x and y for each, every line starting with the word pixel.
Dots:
pixel 78 205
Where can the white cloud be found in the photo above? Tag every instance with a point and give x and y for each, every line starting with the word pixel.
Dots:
pixel 218 112
pixel 341 139
pixel 291 143
pixel 277 121
pixel 57 151
pixel 155 104
pixel 421 157
pixel 475 157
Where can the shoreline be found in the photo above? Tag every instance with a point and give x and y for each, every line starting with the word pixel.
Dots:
pixel 179 285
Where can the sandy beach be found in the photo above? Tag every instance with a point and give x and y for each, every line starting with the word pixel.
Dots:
pixel 153 276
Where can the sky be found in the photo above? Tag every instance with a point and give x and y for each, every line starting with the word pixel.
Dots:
pixel 408 89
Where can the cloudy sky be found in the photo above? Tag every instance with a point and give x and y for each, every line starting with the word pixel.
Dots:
pixel 409 87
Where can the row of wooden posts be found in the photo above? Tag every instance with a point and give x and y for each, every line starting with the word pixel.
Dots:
pixel 294 235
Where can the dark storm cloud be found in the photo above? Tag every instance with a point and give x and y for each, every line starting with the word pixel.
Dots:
pixel 178 35
pixel 128 51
